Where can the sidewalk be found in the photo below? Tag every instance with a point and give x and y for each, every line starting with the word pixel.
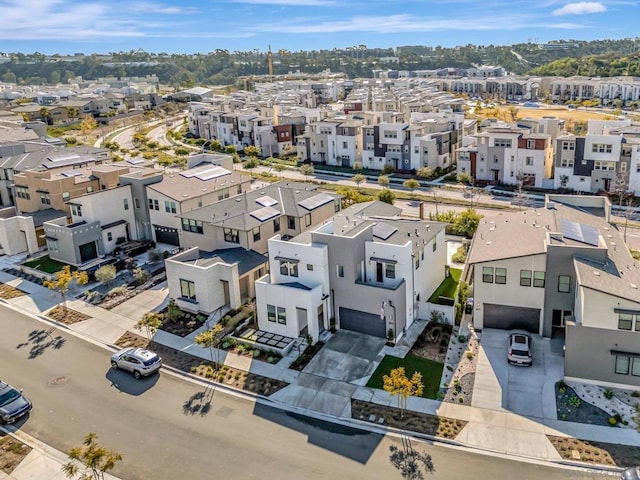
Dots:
pixel 489 428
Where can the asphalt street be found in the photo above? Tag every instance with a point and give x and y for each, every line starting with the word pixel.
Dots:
pixel 168 428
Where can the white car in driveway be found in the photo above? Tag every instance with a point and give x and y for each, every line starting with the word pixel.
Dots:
pixel 139 361
pixel 519 352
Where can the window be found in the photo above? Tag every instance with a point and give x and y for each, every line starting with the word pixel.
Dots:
pixel 76 210
pixel 601 148
pixel 187 290
pixel 417 262
pixel 307 220
pixel 568 146
pixel 336 205
pixel 564 283
pixel 136 202
pixel 239 189
pixel 566 162
pixel 125 203
pixel 635 368
pixel 502 142
pixel 89 189
pixel 390 134
pixel 389 270
pixel 487 274
pixel 435 245
pixel 52 245
pixel 23 192
pixel 501 275
pixel 282 315
pixel 538 279
pixel 291 222
pixel 222 194
pixel 289 268
pixel 310 267
pixel 345 145
pixel 256 233
pixel 625 321
pixel 231 235
pixel 271 313
pixel 154 204
pixel 109 236
pixel 169 207
pixel 622 364
pixel 190 225
pixel 340 271
pixel 531 144
pixel 65 196
pixel 528 161
pixel 525 278
pixel 45 198
pixel 276 225
pixel 623 167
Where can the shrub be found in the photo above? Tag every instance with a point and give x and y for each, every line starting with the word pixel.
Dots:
pixel 608 394
pixel 237 376
pixel 469 355
pixel 574 401
pixel 140 275
pixel 613 421
pixel 635 394
pixel 194 369
pixel 461 400
pixel 462 338
pixel 241 348
pixel 255 353
pixel 155 254
pixel 115 291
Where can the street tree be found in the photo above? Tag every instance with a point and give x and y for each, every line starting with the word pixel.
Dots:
pixel 88 124
pixel 383 180
pixel 150 322
pixel 106 274
pixel 397 383
pixel 306 170
pixel 279 167
pixel 358 179
pixel 411 184
pixel 250 164
pixel 387 196
pixel 62 281
pixel 209 339
pixel 90 460
pixel 467 222
pixel 252 151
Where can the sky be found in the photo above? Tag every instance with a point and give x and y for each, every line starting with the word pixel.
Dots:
pixel 201 26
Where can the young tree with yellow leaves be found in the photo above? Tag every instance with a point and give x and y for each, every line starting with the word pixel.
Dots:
pixel 62 281
pixel 397 383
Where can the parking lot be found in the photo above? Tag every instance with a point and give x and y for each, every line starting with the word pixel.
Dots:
pixel 526 391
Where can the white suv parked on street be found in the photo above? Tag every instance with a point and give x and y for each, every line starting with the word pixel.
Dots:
pixel 139 361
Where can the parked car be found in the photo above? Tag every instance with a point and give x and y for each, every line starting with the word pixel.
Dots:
pixel 13 404
pixel 468 308
pixel 139 361
pixel 632 473
pixel 519 352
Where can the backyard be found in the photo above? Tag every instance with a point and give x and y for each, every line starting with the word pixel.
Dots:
pixel 448 286
pixel 46 264
pixel 431 372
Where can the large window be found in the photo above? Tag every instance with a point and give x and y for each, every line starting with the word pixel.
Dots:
pixel 187 290
pixel 487 274
pixel 271 313
pixel 390 270
pixel 291 222
pixel 566 162
pixel 525 278
pixel 568 145
pixel 564 283
pixel 538 279
pixel 622 364
pixel 502 142
pixel 289 268
pixel 222 194
pixel 190 225
pixel 76 210
pixel 340 271
pixel 169 207
pixel 529 161
pixel 154 204
pixel 256 233
pixel 601 148
pixel 501 275
pixel 231 235
pixel 45 199
pixel 282 315
pixel 625 321
pixel 307 220
pixel 22 192
pixel 276 225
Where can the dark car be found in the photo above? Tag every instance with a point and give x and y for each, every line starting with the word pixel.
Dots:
pixel 632 473
pixel 13 404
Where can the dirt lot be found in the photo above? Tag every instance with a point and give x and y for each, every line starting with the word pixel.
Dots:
pixel 12 452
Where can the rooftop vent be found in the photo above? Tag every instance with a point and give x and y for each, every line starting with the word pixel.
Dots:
pixel 633 285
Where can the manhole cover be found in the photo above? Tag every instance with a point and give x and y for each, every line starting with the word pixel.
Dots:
pixel 57 381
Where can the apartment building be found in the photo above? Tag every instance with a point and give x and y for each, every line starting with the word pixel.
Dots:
pixel 365 270
pixel 569 274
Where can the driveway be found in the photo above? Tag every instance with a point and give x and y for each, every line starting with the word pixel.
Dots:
pixel 527 391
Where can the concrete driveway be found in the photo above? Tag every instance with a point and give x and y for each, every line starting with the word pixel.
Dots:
pixel 526 391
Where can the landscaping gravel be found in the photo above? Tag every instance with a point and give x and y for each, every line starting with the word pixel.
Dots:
pixel 584 413
pixel 464 391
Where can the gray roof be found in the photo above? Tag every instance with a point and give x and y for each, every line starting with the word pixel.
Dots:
pixel 46 215
pixel 39 156
pixel 235 212
pixel 181 188
pixel 247 260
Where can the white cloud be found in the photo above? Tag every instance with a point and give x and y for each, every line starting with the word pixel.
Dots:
pixel 580 8
pixel 295 3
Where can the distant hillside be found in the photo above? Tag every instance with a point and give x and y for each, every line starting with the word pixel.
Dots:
pixel 592 66
pixel 223 66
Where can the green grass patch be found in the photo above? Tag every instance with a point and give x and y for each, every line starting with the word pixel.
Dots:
pixel 448 286
pixel 47 265
pixel 431 372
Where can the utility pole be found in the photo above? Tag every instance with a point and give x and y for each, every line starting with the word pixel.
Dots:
pixel 270 62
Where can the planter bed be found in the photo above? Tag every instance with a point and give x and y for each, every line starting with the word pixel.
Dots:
pixel 600 453
pixel 8 292
pixel 66 315
pixel 12 452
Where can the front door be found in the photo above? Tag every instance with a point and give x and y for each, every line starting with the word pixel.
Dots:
pixel 496 176
pixel 320 318
pixel 379 272
pixel 225 290
pixel 607 184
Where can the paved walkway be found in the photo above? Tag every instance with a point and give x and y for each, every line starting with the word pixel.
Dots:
pixel 490 426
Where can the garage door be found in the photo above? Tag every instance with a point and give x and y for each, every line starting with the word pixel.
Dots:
pixel 362 322
pixel 167 235
pixel 508 317
pixel 88 251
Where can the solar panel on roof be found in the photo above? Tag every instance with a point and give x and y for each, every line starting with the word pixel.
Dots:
pixel 205 172
pixel 316 201
pixel 61 158
pixel 266 201
pixel 265 213
pixel 71 173
pixel 383 230
pixel 135 161
pixel 579 232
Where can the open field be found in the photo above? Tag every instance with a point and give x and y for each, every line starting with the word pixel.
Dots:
pixel 576 115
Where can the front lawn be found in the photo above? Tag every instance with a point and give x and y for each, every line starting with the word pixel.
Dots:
pixel 448 286
pixel 47 265
pixel 431 372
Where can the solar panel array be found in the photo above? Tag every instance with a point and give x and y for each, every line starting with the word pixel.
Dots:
pixel 316 201
pixel 266 201
pixel 205 172
pixel 265 213
pixel 579 232
pixel 135 161
pixel 63 157
pixel 383 230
